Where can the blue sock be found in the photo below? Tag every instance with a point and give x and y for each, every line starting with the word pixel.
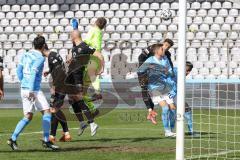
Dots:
pixel 188 117
pixel 172 118
pixel 46 123
pixel 19 128
pixel 165 118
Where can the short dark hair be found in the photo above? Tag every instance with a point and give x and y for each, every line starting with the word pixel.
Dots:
pixel 39 42
pixel 155 47
pixel 169 41
pixel 101 22
pixel 189 65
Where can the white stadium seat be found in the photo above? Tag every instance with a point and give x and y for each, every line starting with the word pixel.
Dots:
pixel 6 8
pixel 206 5
pixel 227 5
pixel 134 6
pixel 212 13
pixel 212 37
pixel 195 5
pixel 9 29
pixel 216 5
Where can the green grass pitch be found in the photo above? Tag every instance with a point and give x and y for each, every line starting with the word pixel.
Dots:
pixel 124 134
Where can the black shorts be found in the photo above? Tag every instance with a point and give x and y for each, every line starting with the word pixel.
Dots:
pixel 57 100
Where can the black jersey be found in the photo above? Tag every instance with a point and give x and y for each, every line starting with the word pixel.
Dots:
pixel 80 58
pixel 82 50
pixel 57 69
pixel 55 61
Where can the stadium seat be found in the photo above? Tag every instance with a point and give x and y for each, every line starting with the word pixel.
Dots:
pixel 44 22
pixel 195 5
pixel 216 5
pixel 105 6
pixel 221 64
pixel 212 13
pixel 115 6
pixel 198 20
pixel 206 5
pixel 227 5
pixel 145 6
pixel 150 13
pixel 39 15
pixel 202 13
pixel 34 22
pixel 209 64
pixel 191 13
pixel 30 15
pixel 203 58
pixel 211 35
pixel 223 12
pixel 115 21
pixel 6 8
pixel 9 29
pixel 140 14
pixel 215 27
pixel 119 14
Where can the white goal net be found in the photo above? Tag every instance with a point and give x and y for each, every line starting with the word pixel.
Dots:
pixel 216 120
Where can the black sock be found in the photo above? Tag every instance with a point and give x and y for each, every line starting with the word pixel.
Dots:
pixel 78 112
pixel 86 111
pixel 54 125
pixel 63 121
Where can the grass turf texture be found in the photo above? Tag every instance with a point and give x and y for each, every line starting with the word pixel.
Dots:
pixel 124 134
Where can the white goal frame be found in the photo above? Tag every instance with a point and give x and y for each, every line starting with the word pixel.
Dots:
pixel 181 79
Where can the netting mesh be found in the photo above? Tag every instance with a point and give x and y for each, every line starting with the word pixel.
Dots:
pixel 216 121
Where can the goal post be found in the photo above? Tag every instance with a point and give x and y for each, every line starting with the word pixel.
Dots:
pixel 181 79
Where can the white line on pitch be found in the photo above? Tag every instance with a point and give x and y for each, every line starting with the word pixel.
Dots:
pixel 39 132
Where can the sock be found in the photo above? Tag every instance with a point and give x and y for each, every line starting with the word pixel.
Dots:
pixel 165 118
pixel 46 121
pixel 19 128
pixel 86 111
pixel 172 118
pixel 54 124
pixel 188 117
pixel 63 121
pixel 78 112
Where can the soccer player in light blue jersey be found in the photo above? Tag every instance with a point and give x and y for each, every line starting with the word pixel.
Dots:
pixel 159 74
pixel 29 72
pixel 188 111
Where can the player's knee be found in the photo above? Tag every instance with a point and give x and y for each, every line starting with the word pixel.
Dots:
pixel 29 116
pixel 172 107
pixel 165 109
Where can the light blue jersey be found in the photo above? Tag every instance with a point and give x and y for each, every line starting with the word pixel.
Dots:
pixel 159 73
pixel 29 70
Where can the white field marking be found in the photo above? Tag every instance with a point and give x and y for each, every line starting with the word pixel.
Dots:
pixel 39 132
pixel 211 155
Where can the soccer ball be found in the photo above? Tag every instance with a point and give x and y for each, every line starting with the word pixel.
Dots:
pixel 166 14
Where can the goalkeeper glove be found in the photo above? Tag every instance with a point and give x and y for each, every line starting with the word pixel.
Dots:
pixel 75 24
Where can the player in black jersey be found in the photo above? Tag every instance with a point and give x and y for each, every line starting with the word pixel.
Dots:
pixel 78 60
pixel 1 78
pixel 146 53
pixel 57 70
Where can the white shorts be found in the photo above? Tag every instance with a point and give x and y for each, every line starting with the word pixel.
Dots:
pixel 158 97
pixel 40 103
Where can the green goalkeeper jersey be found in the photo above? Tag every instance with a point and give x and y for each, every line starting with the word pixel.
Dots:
pixel 94 38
